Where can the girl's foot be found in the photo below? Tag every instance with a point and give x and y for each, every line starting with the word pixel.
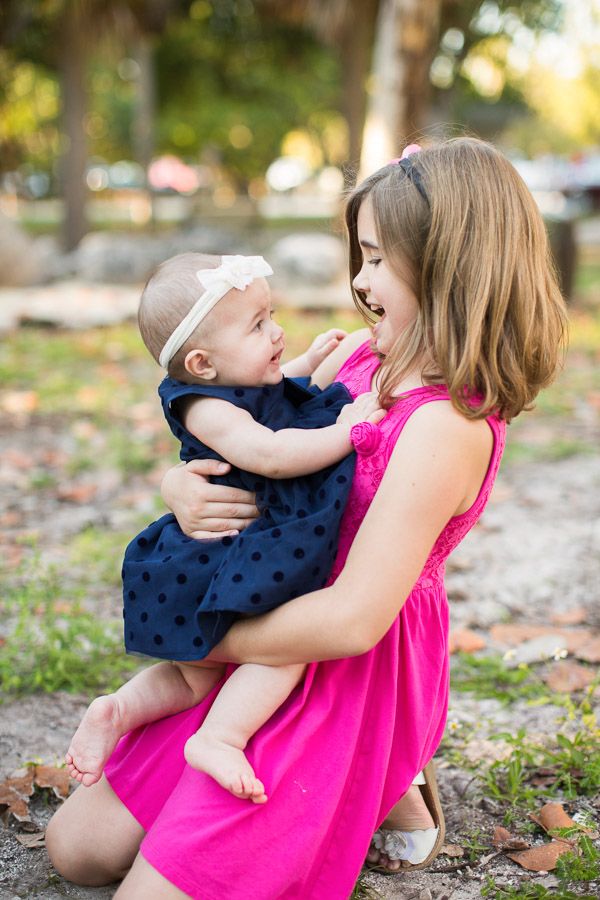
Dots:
pixel 226 764
pixel 94 740
pixel 406 837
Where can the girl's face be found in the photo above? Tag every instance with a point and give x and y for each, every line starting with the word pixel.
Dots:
pixel 386 292
pixel 245 344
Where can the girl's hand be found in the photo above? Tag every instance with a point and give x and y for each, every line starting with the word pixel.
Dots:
pixel 323 345
pixel 365 408
pixel 205 510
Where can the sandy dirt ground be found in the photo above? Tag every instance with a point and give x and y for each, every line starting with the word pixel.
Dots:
pixel 534 554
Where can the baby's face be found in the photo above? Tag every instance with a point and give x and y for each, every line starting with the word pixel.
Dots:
pixel 243 342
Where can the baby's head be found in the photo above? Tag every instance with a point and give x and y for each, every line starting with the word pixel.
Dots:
pixel 169 295
pixel 208 318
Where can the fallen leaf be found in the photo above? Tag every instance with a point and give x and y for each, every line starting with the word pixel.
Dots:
pixel 590 651
pixel 77 493
pixel 34 841
pixel 576 616
pixel 54 777
pixel 504 840
pixel 465 641
pixel 543 777
pixel 572 639
pixel 18 403
pixel 542 858
pixel 553 817
pixel 567 676
pixel 15 793
pixel 88 396
pixel 11 555
pixel 452 850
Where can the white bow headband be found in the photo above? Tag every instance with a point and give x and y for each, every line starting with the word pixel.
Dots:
pixel 234 272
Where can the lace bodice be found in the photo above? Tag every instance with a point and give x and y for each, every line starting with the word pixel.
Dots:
pixel 373 454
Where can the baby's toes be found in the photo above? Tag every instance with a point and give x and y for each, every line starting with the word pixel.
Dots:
pixel 239 786
pixel 258 792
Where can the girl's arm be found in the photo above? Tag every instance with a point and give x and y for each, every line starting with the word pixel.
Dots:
pixel 235 435
pixel 435 472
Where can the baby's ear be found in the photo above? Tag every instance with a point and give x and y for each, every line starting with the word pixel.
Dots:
pixel 198 364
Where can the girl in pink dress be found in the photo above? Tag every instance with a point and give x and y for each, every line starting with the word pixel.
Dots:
pixel 449 258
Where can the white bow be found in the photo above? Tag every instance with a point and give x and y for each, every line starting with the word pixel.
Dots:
pixel 234 272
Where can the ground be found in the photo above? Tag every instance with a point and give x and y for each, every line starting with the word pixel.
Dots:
pixel 80 441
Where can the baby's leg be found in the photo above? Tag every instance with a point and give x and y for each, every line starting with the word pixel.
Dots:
pixel 245 702
pixel 158 691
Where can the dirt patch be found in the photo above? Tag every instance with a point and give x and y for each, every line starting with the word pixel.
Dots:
pixel 533 555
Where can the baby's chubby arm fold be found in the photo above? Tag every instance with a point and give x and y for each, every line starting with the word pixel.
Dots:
pixel 431 473
pixel 235 435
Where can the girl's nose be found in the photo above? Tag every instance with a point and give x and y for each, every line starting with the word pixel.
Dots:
pixel 360 282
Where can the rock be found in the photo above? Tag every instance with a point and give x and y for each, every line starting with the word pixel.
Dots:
pixel 20 264
pixel 313 258
pixel 130 258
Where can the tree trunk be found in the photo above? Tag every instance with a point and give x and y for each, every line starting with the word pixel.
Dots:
pixel 406 38
pixel 74 156
pixel 144 111
pixel 356 43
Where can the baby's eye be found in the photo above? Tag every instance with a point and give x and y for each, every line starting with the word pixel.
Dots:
pixel 259 325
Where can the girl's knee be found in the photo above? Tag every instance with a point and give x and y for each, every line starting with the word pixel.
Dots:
pixel 76 856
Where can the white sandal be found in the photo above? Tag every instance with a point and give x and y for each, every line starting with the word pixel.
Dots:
pixel 413 849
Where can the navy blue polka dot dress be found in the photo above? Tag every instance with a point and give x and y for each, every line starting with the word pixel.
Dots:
pixel 182 595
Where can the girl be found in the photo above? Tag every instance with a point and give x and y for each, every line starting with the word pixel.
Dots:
pixel 449 259
pixel 226 397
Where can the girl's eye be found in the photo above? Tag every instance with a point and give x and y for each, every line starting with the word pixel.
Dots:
pixel 374 261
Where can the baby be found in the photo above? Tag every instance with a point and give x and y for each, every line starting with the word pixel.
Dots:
pixel 225 398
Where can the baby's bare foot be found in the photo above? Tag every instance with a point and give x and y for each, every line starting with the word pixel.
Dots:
pixel 94 740
pixel 226 764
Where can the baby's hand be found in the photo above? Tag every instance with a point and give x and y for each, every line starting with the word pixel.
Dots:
pixel 323 345
pixel 365 408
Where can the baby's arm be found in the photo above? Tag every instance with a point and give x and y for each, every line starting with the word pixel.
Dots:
pixel 321 347
pixel 235 435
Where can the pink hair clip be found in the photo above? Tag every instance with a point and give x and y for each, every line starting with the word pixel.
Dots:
pixel 408 150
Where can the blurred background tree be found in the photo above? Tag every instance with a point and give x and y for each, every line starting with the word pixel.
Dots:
pixel 233 84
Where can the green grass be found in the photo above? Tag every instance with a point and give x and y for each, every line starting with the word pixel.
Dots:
pixel 529 891
pixel 491 677
pixel 52 641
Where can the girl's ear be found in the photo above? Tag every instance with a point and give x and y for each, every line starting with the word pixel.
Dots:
pixel 199 365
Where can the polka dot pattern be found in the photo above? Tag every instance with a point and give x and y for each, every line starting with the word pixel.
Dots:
pixel 181 595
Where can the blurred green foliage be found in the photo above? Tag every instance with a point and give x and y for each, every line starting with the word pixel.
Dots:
pixel 230 84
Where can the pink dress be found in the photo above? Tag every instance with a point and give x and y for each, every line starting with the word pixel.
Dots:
pixel 335 757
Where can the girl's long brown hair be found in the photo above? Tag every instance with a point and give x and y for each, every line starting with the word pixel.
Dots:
pixel 492 321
